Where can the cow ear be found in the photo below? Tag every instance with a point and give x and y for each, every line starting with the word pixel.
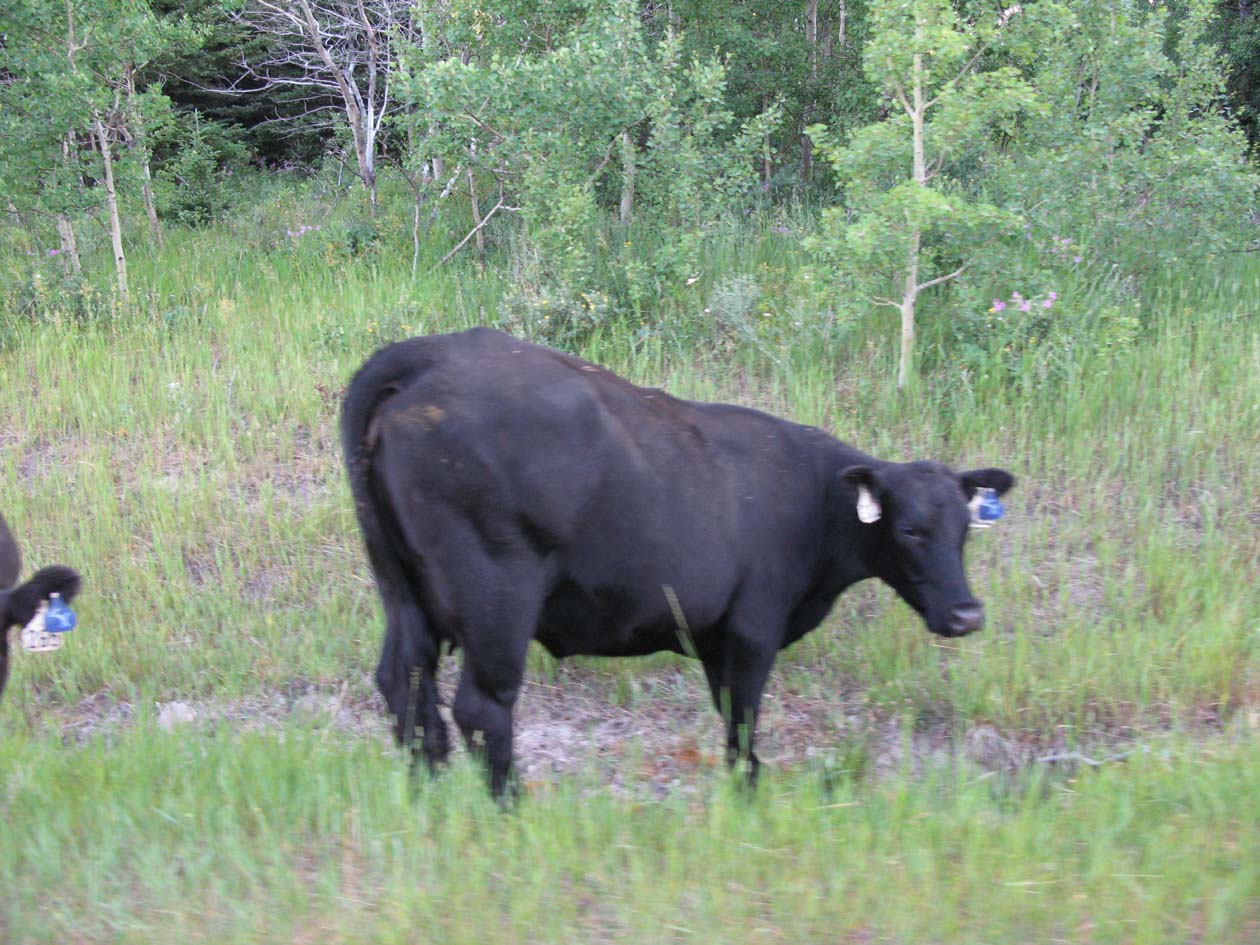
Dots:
pixel 999 480
pixel 863 479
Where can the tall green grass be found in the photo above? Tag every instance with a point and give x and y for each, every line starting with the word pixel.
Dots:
pixel 294 838
pixel 182 451
pixel 184 454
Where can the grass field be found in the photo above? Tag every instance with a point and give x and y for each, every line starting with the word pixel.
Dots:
pixel 206 761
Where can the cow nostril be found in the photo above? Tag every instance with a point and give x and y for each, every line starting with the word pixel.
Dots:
pixel 966 618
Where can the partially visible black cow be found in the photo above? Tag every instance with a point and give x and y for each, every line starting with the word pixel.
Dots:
pixel 18 606
pixel 508 493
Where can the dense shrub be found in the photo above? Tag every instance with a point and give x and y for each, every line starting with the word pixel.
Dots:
pixel 196 162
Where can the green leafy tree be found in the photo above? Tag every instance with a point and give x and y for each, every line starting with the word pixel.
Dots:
pixel 910 222
pixel 46 100
pixel 71 110
pixel 1233 29
pixel 804 56
pixel 593 114
pixel 543 126
pixel 1135 156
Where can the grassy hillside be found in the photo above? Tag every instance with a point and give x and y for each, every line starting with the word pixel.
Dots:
pixel 182 452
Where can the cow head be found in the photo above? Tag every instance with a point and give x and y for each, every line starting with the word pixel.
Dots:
pixel 917 520
pixel 18 605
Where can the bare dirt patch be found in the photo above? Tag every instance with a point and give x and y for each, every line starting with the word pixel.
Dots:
pixel 667 738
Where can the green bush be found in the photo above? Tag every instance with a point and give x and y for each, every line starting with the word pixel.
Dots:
pixel 1135 156
pixel 192 181
pixel 43 293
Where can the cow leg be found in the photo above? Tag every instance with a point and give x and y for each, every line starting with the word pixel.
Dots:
pixel 737 675
pixel 496 631
pixel 484 716
pixel 406 676
pixel 488 687
pixel 4 653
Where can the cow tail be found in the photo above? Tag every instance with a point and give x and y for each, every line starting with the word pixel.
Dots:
pixel 384 375
pixel 408 640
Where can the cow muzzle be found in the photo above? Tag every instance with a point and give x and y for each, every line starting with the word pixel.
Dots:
pixel 965 618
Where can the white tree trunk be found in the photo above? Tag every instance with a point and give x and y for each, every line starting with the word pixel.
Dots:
pixel 150 209
pixel 415 231
pixel 627 178
pixel 142 145
pixel 361 130
pixel 767 167
pixel 65 229
pixel 111 204
pixel 811 41
pixel 69 245
pixel 905 374
pixel 476 211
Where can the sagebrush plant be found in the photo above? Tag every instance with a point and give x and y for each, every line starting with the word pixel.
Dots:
pixel 554 315
pixel 733 307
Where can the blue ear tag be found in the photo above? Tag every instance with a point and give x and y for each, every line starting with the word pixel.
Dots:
pixel 59 618
pixel 986 508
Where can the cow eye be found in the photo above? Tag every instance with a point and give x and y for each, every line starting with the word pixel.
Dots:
pixel 913 532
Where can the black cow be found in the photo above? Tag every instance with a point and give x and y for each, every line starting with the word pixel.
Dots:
pixel 18 606
pixel 508 492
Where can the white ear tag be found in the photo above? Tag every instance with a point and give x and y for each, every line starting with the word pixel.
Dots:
pixel 867 508
pixel 974 508
pixel 985 507
pixel 35 638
